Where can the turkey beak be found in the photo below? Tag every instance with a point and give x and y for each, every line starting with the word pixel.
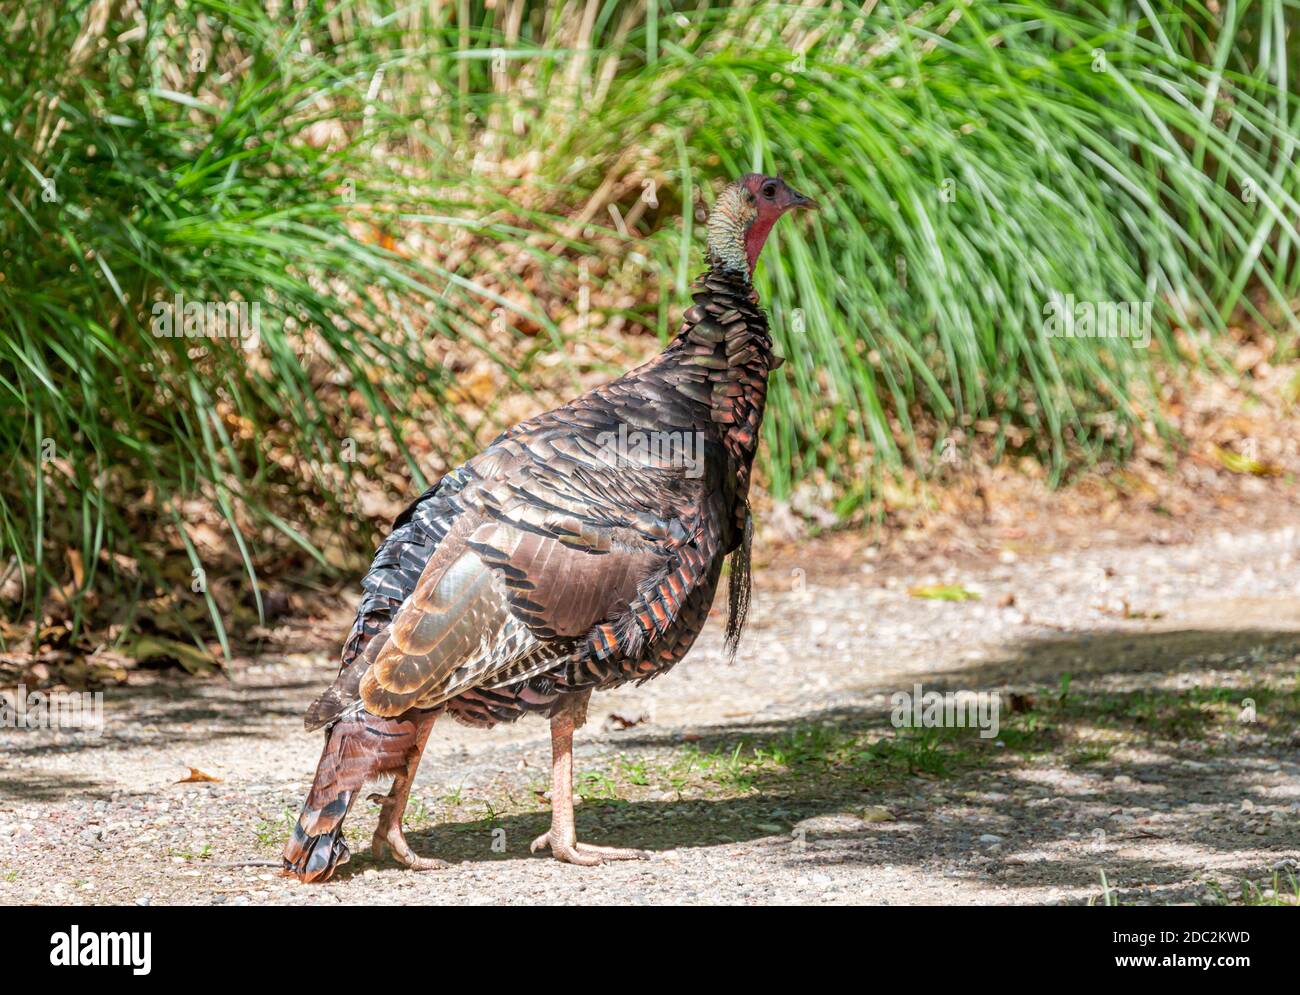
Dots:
pixel 795 199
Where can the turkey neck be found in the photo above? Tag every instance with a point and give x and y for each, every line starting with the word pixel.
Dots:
pixel 724 333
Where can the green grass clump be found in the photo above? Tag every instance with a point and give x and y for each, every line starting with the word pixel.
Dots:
pixel 217 154
pixel 971 161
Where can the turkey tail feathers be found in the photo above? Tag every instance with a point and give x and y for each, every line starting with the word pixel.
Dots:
pixel 739 586
pixel 313 857
pixel 358 749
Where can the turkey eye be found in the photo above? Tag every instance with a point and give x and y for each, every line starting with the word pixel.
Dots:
pixel 769 191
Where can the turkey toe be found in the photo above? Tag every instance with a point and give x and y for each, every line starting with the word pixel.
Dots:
pixel 585 854
pixel 613 852
pixel 394 841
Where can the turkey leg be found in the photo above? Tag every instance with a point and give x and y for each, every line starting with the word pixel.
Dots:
pixel 569 715
pixel 388 834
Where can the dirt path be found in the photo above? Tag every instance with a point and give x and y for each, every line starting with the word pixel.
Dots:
pixel 779 779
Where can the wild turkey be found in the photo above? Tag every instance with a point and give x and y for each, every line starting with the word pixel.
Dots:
pixel 580 550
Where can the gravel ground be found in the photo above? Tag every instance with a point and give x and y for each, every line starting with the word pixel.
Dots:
pixel 103 820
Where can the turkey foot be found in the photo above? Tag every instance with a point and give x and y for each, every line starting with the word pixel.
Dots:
pixel 585 854
pixel 571 714
pixel 388 834
pixel 388 837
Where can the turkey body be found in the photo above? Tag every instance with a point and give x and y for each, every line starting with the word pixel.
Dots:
pixel 581 550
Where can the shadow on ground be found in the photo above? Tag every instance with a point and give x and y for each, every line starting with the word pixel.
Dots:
pixel 832 766
pixel 1171 694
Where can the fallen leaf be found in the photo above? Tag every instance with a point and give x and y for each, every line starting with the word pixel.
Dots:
pixel 620 721
pixel 476 389
pixel 1020 702
pixel 1237 463
pixel 195 775
pixel 943 592
pixel 1127 612
pixel 78 569
pixel 194 660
